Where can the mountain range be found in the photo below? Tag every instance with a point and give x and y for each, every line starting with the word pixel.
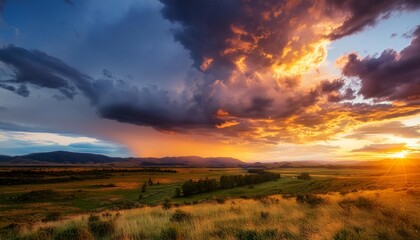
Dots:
pixel 67 158
pixel 64 157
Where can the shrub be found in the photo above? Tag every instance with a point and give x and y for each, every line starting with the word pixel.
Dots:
pixel 36 195
pixel 121 204
pixel 178 192
pixel 169 233
pixel 93 218
pixel 167 204
pixel 137 236
pixel 180 216
pixel 143 187
pixel 106 214
pixel 220 200
pixel 359 202
pixel 304 176
pixel 312 200
pixel 13 227
pixel 44 233
pixel 269 234
pixel 264 215
pixel 100 228
pixel 255 235
pixel 52 216
pixel 74 233
pixel 247 235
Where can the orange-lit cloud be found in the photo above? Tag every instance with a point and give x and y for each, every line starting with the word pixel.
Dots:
pixel 257 81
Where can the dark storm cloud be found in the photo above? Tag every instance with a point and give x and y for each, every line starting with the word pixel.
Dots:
pixel 142 48
pixel 391 76
pixel 217 35
pixel 115 99
pixel 148 106
pixel 39 69
pixel 164 110
pixel 234 42
pixel 366 13
pixel 205 27
pixel 118 100
pixel 224 30
pixel 259 104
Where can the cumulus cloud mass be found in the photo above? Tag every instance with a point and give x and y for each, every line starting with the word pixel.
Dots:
pixel 255 72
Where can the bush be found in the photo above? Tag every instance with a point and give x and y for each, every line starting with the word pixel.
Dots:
pixel 312 200
pixel 44 233
pixel 255 235
pixel 93 218
pixel 120 204
pixel 304 176
pixel 100 228
pixel 74 233
pixel 348 234
pixel 52 216
pixel 180 216
pixel 359 202
pixel 178 192
pixel 136 236
pixel 167 204
pixel 247 235
pixel 264 215
pixel 168 234
pixel 37 195
pixel 220 200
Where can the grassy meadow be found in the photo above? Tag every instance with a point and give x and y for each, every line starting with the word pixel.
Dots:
pixel 336 203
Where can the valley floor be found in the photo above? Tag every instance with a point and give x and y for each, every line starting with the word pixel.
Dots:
pixel 381 214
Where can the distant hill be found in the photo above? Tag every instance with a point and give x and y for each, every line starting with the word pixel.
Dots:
pixel 63 157
pixel 68 157
pixel 5 158
pixel 187 161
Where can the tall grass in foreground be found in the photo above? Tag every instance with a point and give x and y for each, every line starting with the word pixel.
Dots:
pixel 385 214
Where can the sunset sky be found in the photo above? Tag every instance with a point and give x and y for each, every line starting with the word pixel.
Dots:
pixel 258 80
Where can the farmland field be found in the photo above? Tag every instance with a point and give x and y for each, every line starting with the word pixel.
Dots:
pixel 98 190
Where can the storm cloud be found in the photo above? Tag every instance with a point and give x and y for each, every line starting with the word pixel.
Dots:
pixel 39 69
pixel 390 76
pixel 363 14
pixel 248 61
pixel 114 98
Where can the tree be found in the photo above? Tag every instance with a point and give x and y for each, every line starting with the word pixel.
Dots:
pixel 143 188
pixel 304 176
pixel 188 187
pixel 177 192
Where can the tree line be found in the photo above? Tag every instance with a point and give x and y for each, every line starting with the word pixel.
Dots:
pixel 191 187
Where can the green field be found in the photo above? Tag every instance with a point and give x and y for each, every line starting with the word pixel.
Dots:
pixel 29 203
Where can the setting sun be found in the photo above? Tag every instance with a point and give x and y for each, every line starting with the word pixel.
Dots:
pixel 399 155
